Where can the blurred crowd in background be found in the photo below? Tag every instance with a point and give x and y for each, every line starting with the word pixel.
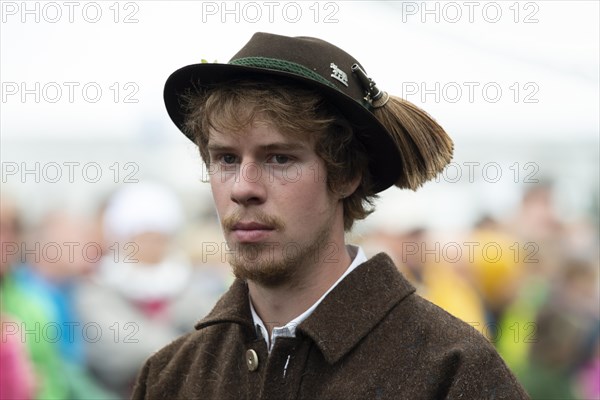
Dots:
pixel 86 300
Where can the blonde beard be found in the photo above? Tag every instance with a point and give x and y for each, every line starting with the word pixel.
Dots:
pixel 271 265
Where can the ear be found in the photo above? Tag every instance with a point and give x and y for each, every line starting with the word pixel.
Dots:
pixel 351 186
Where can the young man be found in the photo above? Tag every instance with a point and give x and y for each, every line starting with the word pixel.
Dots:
pixel 298 141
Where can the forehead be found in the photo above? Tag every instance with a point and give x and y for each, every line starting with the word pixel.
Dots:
pixel 260 132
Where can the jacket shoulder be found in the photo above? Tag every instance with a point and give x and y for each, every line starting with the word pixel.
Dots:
pixel 458 357
pixel 431 320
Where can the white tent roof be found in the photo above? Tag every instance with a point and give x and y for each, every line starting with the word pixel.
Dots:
pixel 462 54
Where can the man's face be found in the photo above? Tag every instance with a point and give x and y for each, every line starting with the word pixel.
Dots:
pixel 273 203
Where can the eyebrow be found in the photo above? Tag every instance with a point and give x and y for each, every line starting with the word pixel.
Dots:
pixel 219 148
pixel 285 146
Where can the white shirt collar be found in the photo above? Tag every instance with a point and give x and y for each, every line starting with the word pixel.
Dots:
pixel 289 330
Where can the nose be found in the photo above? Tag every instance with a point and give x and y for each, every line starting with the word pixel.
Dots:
pixel 249 186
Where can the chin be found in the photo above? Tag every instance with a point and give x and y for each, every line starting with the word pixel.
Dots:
pixel 265 271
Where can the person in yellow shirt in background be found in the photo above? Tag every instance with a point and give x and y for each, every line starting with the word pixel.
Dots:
pixel 438 269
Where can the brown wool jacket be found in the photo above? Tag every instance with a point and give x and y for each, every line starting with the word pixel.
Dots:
pixel 372 337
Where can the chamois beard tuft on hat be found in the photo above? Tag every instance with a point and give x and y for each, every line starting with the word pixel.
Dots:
pixel 424 145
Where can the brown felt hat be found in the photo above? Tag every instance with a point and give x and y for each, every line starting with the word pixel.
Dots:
pixel 312 62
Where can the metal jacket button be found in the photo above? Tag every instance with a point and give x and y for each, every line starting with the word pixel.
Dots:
pixel 251 360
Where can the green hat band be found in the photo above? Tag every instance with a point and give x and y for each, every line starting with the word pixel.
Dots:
pixel 281 65
pixel 286 66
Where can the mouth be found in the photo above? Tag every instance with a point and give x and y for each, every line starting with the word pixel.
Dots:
pixel 251 232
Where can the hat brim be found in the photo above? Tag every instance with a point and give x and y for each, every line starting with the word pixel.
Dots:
pixel 384 157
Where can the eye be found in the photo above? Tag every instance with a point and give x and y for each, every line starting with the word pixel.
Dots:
pixel 280 159
pixel 228 159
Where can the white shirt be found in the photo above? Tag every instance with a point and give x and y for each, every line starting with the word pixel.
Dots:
pixel 289 330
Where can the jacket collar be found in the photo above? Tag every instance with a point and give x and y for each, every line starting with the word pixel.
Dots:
pixel 365 297
pixel 233 307
pixel 361 300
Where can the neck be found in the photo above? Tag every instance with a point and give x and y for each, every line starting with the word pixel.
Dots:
pixel 278 305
